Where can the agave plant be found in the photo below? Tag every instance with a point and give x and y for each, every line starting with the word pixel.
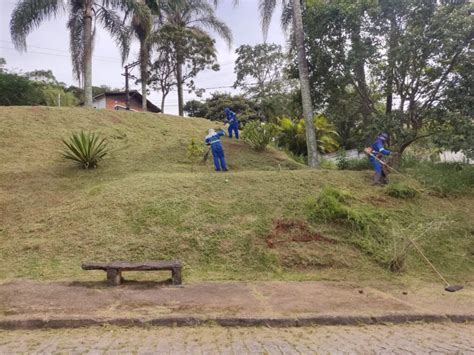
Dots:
pixel 85 148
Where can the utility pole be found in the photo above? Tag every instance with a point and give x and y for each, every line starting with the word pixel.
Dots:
pixel 127 75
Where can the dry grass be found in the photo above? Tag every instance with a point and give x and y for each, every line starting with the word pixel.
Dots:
pixel 144 203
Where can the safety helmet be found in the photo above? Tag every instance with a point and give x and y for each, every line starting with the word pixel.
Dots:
pixel 226 109
pixel 383 136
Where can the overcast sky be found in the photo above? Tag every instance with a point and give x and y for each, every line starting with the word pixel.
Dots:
pixel 48 48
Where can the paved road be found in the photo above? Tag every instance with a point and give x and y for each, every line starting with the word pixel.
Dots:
pixel 401 339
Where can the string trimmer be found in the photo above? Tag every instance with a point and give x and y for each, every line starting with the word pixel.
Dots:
pixel 449 288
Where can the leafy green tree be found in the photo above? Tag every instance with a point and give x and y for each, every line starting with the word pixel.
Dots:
pixel 187 52
pixel 244 108
pixel 83 16
pixel 162 75
pixel 259 69
pixel 16 90
pixel 3 63
pixel 195 108
pixel 187 20
pixel 411 50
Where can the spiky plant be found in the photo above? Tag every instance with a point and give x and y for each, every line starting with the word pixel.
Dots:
pixel 83 16
pixel 85 148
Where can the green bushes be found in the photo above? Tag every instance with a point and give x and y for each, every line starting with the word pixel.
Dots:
pixel 445 178
pixel 259 135
pixel 86 149
pixel 293 135
pixel 401 190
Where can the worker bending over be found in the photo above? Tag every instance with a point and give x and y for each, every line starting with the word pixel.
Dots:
pixel 213 139
pixel 231 118
pixel 375 153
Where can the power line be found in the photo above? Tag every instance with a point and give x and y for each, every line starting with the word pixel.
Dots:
pixel 63 51
pixel 61 55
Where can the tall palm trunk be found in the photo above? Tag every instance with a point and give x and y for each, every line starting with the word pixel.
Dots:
pixel 179 83
pixel 304 85
pixel 144 70
pixel 87 60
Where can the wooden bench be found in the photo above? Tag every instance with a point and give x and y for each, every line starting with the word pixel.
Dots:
pixel 114 269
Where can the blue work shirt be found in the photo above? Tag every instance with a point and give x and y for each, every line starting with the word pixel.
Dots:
pixel 231 117
pixel 214 139
pixel 378 148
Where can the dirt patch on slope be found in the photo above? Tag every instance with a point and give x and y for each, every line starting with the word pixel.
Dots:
pixel 287 231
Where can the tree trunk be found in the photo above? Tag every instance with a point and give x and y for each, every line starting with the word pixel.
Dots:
pixel 304 85
pixel 87 60
pixel 179 82
pixel 391 63
pixel 163 97
pixel 144 71
pixel 359 73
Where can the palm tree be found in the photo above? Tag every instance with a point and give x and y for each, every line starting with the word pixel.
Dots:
pixel 267 7
pixel 190 15
pixel 142 25
pixel 82 17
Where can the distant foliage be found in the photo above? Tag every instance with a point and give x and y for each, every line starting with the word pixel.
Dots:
pixel 194 152
pixel 16 90
pixel 38 87
pixel 86 149
pixel 259 135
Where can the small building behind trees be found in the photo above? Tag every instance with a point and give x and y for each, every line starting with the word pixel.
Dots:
pixel 116 100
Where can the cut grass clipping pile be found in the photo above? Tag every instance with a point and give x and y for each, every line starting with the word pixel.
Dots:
pixel 268 218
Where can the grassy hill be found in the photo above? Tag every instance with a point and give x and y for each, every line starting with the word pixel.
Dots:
pixel 255 222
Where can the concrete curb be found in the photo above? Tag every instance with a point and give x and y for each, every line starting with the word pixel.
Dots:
pixel 182 321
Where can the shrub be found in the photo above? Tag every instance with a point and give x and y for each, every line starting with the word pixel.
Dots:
pixel 86 149
pixel 401 190
pixel 341 160
pixel 194 153
pixel 359 164
pixel 327 164
pixel 293 135
pixel 258 135
pixel 446 178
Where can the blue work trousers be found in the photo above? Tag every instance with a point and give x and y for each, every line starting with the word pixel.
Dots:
pixel 233 127
pixel 218 155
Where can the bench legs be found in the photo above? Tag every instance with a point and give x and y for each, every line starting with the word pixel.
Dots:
pixel 176 276
pixel 114 277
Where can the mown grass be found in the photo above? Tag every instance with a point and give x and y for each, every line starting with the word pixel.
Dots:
pixel 144 203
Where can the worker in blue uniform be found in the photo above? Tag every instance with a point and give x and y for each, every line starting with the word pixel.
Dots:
pixel 231 119
pixel 375 152
pixel 213 139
